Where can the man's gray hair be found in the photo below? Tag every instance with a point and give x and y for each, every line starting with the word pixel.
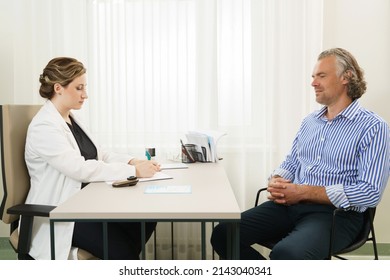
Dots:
pixel 348 66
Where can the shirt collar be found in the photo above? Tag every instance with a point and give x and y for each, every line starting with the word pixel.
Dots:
pixel 349 112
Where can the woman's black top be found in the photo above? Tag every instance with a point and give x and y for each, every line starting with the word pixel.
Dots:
pixel 86 146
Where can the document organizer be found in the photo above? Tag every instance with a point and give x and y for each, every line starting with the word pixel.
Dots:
pixel 201 146
pixel 190 154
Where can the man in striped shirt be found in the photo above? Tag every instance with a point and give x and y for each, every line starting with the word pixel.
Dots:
pixel 339 158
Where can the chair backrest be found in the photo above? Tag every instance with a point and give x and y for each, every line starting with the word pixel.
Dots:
pixel 14 121
pixel 369 217
pixel 367 232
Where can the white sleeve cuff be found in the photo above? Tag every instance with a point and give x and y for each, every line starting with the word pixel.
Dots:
pixel 337 196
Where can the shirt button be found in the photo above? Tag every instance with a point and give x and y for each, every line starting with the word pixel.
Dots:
pixel 319 157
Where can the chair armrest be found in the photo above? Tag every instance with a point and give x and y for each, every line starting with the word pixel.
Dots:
pixel 27 212
pixel 31 210
pixel 258 195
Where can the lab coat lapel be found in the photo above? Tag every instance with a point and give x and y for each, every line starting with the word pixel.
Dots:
pixel 57 116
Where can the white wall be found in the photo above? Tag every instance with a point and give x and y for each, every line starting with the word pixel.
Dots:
pixel 363 28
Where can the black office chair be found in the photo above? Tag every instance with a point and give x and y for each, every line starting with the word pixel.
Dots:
pixel 14 120
pixel 367 233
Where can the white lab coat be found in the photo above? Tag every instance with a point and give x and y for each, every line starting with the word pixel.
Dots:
pixel 57 169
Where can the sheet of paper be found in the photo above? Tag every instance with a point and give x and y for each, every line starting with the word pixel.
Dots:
pixel 177 165
pixel 184 189
pixel 157 176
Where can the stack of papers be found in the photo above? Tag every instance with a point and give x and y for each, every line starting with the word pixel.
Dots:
pixel 205 142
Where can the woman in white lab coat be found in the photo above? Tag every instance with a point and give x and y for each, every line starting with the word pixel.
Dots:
pixel 62 158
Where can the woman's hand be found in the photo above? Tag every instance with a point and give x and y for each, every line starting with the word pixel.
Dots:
pixel 145 168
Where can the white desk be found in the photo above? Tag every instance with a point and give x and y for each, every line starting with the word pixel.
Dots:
pixel 211 200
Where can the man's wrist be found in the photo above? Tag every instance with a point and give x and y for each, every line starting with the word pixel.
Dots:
pixel 273 176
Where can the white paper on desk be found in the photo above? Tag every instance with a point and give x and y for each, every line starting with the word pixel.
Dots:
pixel 184 189
pixel 177 165
pixel 156 176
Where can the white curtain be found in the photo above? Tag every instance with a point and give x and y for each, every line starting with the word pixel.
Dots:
pixel 158 68
pixel 142 76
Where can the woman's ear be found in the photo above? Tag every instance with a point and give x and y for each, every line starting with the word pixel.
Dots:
pixel 58 88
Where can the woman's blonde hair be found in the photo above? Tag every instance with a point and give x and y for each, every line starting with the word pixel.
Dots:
pixel 61 70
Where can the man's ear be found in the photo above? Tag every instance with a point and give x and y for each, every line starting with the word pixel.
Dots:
pixel 346 77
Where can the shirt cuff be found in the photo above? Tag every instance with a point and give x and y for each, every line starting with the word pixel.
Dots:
pixel 337 196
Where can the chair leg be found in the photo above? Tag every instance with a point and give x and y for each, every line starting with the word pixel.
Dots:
pixel 172 242
pixel 155 243
pixel 332 233
pixel 373 238
pixel 25 240
pixel 212 228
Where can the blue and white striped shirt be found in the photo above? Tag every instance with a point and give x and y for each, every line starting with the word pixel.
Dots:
pixel 349 156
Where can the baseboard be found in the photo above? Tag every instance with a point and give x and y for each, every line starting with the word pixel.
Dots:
pixel 367 249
